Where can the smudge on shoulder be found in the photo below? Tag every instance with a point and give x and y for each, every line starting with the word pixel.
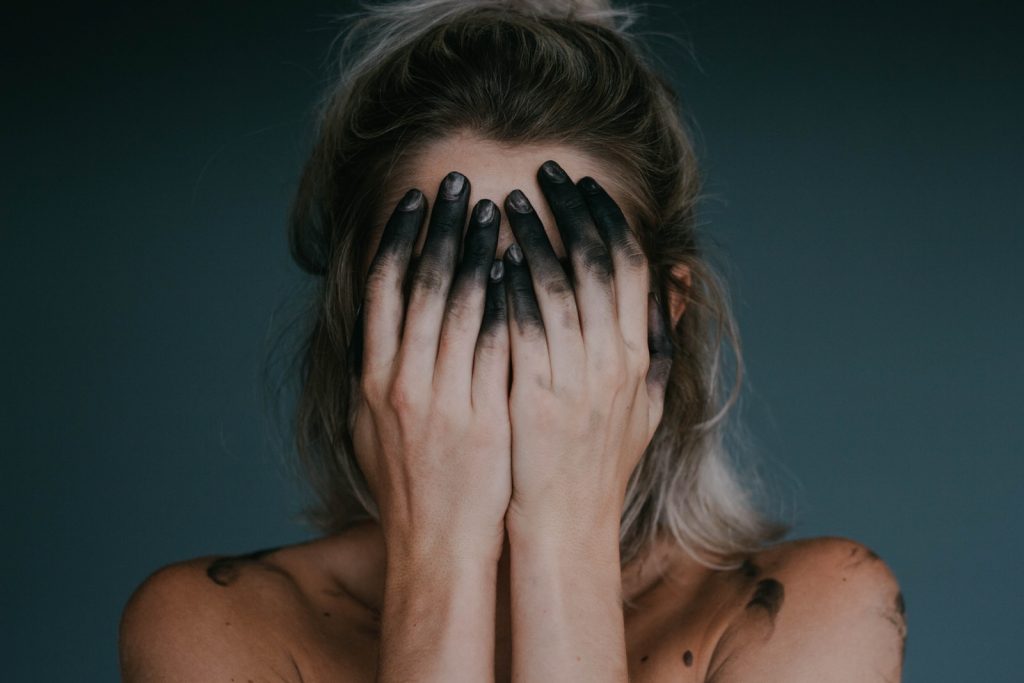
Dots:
pixel 224 571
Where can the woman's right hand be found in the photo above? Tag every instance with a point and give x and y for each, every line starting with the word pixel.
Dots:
pixel 430 423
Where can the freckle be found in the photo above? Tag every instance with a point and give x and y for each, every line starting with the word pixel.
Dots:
pixel 227 623
pixel 688 658
pixel 644 658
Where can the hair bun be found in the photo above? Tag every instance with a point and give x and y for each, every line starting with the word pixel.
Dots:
pixel 593 11
pixel 431 12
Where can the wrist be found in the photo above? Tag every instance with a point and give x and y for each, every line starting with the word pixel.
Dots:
pixel 565 537
pixel 439 559
pixel 430 546
pixel 563 521
pixel 437 616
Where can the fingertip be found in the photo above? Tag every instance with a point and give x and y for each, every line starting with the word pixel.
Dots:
pixel 517 202
pixel 454 186
pixel 497 271
pixel 589 185
pixel 513 254
pixel 485 212
pixel 412 200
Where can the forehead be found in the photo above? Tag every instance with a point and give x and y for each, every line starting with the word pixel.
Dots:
pixel 494 170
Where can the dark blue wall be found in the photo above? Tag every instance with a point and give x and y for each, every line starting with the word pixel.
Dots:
pixel 864 174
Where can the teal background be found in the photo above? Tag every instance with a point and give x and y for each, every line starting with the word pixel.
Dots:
pixel 863 165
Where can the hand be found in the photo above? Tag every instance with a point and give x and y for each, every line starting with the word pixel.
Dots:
pixel 430 424
pixel 590 358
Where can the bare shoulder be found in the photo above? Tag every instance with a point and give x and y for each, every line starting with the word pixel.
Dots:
pixel 263 615
pixel 183 623
pixel 822 608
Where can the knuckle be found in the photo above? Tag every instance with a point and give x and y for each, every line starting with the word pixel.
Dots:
pixel 378 278
pixel 565 391
pixel 489 343
pixel 451 421
pixel 569 317
pixel 429 278
pixel 640 362
pixel 369 388
pixel 609 368
pixel 401 397
pixel 594 258
pixel 574 202
pixel 457 309
pixel 634 256
pixel 539 412
pixel 633 351
pixel 558 287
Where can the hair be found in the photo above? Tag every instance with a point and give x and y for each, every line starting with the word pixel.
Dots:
pixel 523 72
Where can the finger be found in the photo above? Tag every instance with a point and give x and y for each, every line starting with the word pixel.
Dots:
pixel 552 288
pixel 528 346
pixel 384 305
pixel 465 307
pixel 589 259
pixel 661 351
pixel 432 275
pixel 628 259
pixel 491 362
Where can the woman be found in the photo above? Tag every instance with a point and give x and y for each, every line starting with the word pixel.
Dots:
pixel 514 427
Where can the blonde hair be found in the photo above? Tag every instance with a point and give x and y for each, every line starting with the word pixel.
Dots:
pixel 521 72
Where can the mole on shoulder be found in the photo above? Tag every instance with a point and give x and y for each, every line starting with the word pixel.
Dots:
pixel 224 570
pixel 688 658
pixel 768 595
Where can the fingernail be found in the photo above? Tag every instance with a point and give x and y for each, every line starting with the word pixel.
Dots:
pixel 554 171
pixel 518 201
pixel 453 184
pixel 412 200
pixel 515 254
pixel 497 270
pixel 484 211
pixel 588 184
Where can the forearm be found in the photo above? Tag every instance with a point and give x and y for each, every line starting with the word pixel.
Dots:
pixel 567 622
pixel 437 620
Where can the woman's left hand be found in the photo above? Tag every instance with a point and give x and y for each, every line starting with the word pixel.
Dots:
pixel 590 358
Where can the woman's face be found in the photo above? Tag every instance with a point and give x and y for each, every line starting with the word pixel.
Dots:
pixel 493 172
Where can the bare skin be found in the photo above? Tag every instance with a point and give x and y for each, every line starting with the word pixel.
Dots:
pixel 500 499
pixel 314 609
